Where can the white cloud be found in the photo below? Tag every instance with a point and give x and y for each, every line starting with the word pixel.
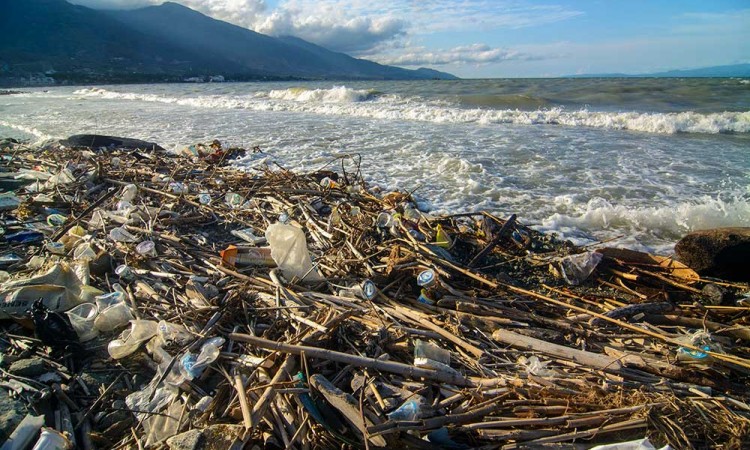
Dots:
pixel 239 12
pixel 363 27
pixel 477 54
pixel 334 31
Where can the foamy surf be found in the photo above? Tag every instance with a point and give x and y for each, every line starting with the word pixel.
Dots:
pixel 345 101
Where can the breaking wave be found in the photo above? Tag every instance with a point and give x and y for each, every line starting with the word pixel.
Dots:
pixel 369 104
pixel 669 221
pixel 339 94
pixel 32 132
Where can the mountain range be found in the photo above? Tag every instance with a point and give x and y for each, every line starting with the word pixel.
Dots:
pixel 168 42
pixel 733 70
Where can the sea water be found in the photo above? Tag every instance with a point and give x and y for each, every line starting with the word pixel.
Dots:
pixel 637 161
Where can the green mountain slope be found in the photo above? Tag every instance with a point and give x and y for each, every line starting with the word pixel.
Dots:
pixel 165 42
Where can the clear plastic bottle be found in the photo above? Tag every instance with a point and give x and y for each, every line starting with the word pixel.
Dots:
pixel 120 234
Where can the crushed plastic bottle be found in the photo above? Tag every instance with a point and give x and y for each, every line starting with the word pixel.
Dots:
pixel 703 341
pixel 120 234
pixel 192 365
pixel 24 237
pixel 409 410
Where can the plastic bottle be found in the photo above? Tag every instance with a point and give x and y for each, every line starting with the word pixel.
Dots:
pixel 192 366
pixel 24 237
pixel 409 410
pixel 120 234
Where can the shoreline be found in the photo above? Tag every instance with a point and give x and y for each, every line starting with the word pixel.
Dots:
pixel 454 302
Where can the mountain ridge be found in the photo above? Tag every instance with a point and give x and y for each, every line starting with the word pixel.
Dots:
pixel 168 42
pixel 723 71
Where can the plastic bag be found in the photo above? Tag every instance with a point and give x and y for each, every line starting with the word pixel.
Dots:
pixel 289 250
pixel 576 268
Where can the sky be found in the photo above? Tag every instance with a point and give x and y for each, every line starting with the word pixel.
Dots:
pixel 502 38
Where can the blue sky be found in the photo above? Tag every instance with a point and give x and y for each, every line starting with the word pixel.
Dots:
pixel 499 38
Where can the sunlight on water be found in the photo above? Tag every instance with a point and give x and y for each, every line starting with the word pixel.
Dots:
pixel 616 166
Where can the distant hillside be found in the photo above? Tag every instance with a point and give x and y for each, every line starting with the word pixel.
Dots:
pixel 734 70
pixel 168 42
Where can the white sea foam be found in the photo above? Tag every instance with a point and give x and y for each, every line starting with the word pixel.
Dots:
pixel 339 94
pixel 364 103
pixel 38 135
pixel 669 221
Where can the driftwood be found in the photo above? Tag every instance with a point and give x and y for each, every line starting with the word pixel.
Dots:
pixel 503 354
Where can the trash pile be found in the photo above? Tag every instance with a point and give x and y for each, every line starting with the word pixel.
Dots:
pixel 154 300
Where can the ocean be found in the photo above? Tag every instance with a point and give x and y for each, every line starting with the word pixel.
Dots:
pixel 638 161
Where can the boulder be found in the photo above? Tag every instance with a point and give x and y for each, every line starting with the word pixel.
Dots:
pixel 720 252
pixel 97 140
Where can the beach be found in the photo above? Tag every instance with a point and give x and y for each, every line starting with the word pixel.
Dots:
pixel 215 307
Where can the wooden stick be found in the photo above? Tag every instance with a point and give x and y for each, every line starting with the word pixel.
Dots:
pixel 361 361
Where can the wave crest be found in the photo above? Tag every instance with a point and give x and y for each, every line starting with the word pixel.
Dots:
pixel 345 101
pixel 338 94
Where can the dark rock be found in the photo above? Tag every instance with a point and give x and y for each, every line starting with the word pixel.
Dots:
pixel 189 440
pixel 721 252
pixel 12 413
pixel 97 140
pixel 29 368
pixel 713 294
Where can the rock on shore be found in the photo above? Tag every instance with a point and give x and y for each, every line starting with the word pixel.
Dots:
pixel 720 252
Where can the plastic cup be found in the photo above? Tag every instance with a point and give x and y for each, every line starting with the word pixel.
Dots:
pixel 124 272
pixel 56 248
pixel 146 248
pixel 82 318
pixel 51 439
pixel 84 252
pixel 55 220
